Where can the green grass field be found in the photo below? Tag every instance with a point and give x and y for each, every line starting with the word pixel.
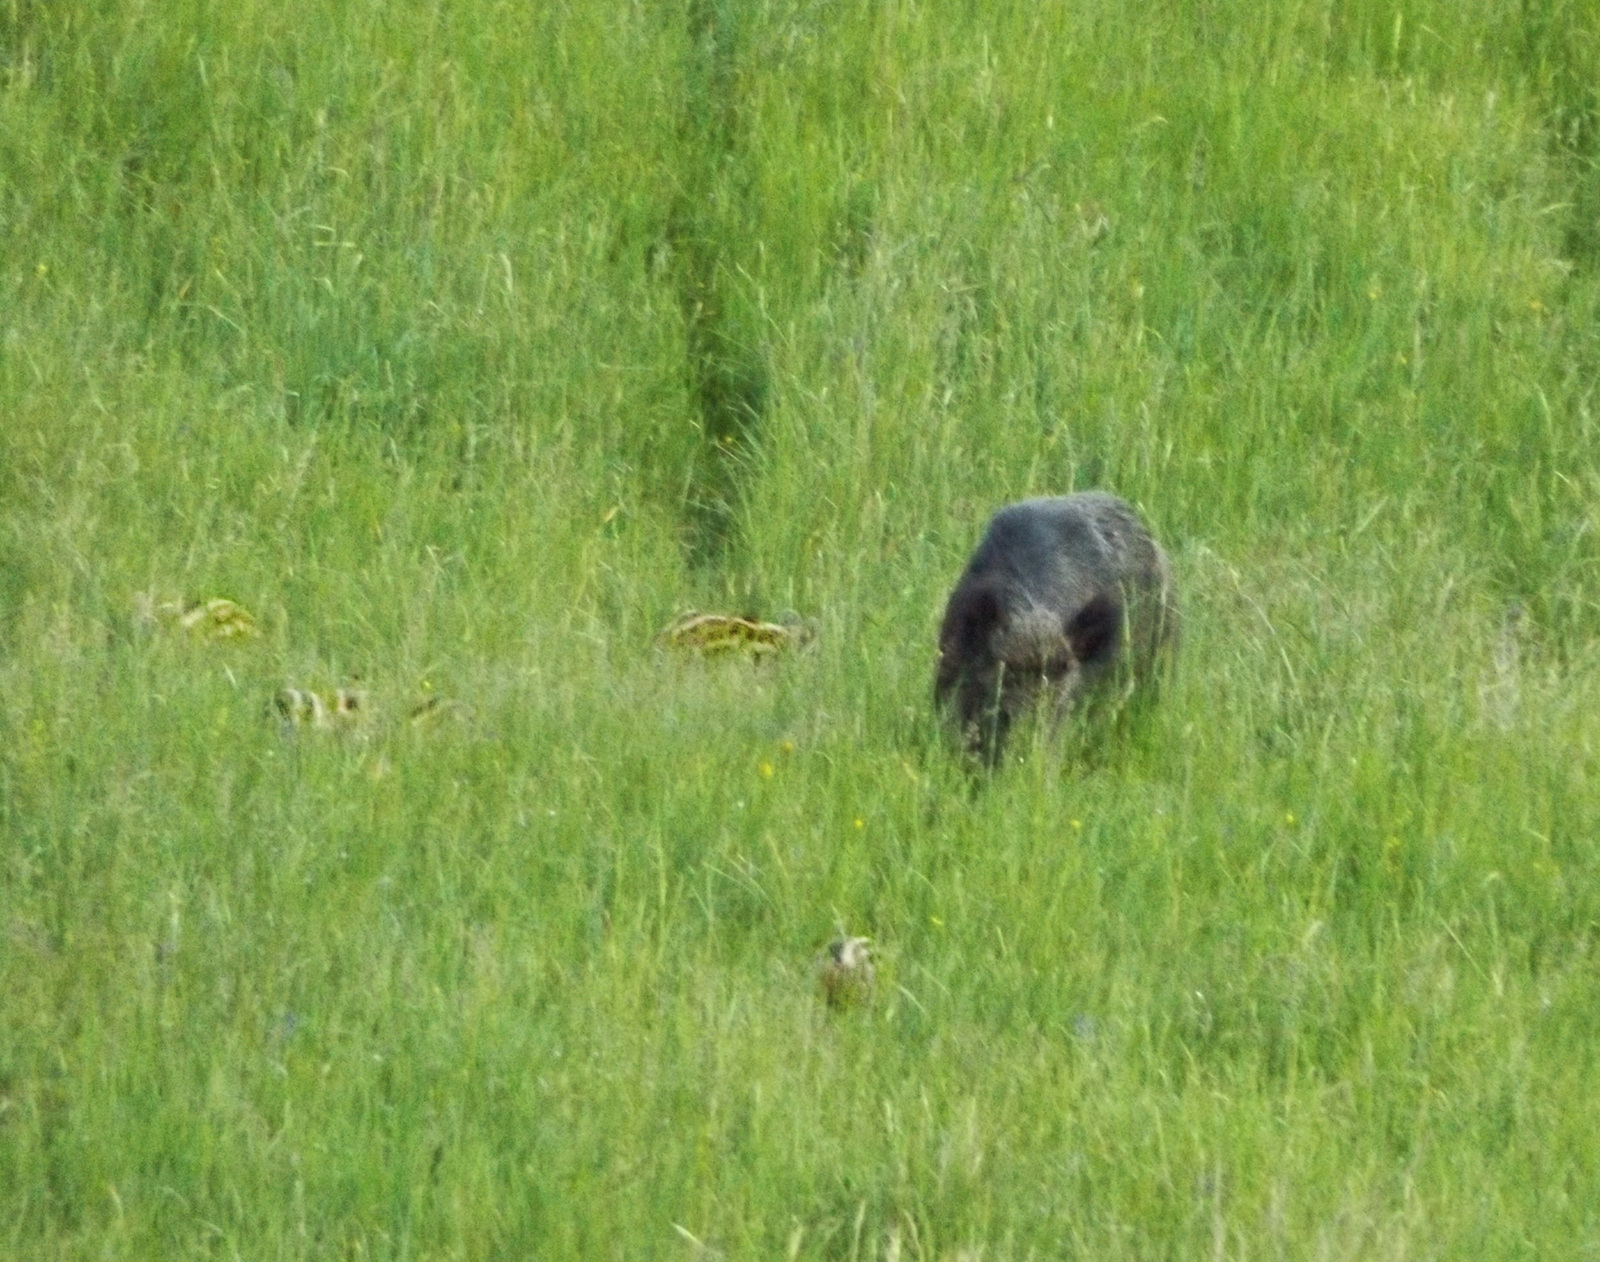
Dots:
pixel 465 346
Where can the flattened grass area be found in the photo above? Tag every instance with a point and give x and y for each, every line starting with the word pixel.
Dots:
pixel 465 346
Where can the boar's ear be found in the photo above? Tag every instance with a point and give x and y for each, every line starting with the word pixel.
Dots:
pixel 969 622
pixel 974 621
pixel 1094 630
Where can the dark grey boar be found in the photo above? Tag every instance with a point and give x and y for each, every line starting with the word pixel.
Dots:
pixel 1065 597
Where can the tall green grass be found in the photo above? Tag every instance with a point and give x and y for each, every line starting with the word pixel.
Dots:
pixel 464 347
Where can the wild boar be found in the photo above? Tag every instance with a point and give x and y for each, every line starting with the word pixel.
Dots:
pixel 1066 597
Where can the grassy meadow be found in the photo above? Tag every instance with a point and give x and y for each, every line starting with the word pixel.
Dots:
pixel 465 346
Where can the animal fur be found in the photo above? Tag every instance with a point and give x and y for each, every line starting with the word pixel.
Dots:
pixel 1064 597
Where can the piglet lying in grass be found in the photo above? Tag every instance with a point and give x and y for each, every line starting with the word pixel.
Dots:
pixel 1067 598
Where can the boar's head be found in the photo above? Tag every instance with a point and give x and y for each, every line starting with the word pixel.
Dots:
pixel 1001 653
